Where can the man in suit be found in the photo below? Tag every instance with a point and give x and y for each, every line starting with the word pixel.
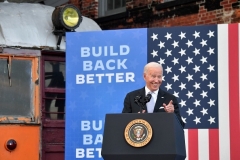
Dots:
pixel 160 101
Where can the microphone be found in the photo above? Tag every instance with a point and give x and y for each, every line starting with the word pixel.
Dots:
pixel 137 100
pixel 147 98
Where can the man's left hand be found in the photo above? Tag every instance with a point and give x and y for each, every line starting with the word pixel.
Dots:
pixel 169 108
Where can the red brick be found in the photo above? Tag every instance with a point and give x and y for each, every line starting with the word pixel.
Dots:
pixel 224 3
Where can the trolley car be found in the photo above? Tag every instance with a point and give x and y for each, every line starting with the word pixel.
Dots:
pixel 32 80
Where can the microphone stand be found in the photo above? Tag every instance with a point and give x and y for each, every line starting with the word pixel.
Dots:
pixel 142 102
pixel 145 101
pixel 139 103
pixel 139 106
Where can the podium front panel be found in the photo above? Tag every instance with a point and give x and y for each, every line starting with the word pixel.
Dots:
pixel 167 139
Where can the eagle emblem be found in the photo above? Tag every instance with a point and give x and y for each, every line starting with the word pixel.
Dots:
pixel 138 133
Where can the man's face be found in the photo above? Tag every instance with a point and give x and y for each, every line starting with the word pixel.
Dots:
pixel 153 78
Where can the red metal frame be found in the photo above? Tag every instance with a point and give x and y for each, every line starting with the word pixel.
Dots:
pixel 53 131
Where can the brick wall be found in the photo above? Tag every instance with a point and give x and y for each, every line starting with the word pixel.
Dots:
pixel 88 8
pixel 146 13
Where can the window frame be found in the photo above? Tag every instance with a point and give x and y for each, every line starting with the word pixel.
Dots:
pixel 35 107
pixel 45 90
pixel 102 9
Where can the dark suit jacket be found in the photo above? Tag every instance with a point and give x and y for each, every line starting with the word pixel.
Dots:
pixel 163 97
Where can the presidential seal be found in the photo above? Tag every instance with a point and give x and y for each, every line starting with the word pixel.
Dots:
pixel 138 133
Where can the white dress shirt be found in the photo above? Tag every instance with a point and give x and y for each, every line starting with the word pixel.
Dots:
pixel 151 104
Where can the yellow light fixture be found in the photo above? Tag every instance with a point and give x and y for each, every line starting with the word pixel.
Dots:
pixel 66 17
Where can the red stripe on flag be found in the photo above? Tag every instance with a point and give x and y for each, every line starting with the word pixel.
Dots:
pixel 233 91
pixel 192 144
pixel 213 144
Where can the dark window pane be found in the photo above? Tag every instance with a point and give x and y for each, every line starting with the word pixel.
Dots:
pixel 110 4
pixel 123 3
pixel 114 7
pixel 54 103
pixel 168 0
pixel 117 4
pixel 54 74
pixel 17 98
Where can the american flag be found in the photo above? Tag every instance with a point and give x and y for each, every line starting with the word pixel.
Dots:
pixel 201 68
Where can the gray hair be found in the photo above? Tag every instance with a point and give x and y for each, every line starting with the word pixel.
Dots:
pixel 151 64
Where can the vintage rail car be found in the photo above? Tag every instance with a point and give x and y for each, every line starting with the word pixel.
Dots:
pixel 32 82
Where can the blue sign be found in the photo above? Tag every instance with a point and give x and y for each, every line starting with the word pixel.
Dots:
pixel 101 68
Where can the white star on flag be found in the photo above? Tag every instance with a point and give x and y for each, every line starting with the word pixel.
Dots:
pixel 211 120
pixel 204 111
pixel 168 36
pixel 154 53
pixel 197 120
pixel 182 35
pixel 196 34
pixel 189 43
pixel 210 34
pixel 161 44
pixel 203 43
pixel 154 36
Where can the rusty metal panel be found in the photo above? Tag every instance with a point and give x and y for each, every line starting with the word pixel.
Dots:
pixel 53 143
pixel 27 139
pixel 55 155
pixel 54 135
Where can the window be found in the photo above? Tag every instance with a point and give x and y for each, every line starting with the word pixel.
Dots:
pixel 167 1
pixel 18 86
pixel 53 69
pixel 110 7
